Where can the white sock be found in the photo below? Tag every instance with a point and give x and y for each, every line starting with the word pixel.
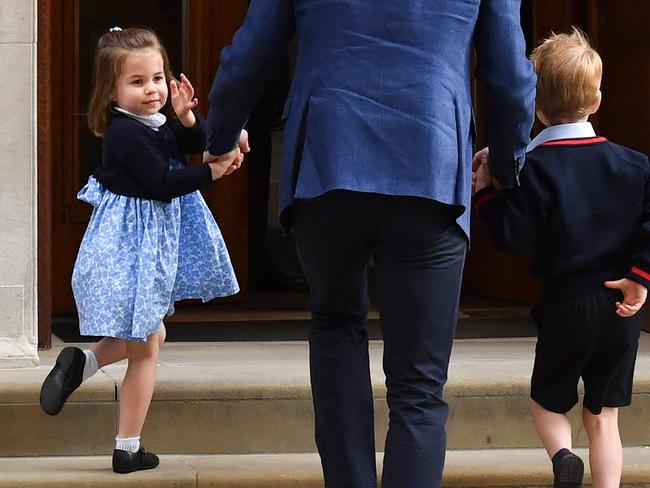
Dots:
pixel 91 367
pixel 131 444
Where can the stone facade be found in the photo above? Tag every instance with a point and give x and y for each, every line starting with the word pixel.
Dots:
pixel 18 191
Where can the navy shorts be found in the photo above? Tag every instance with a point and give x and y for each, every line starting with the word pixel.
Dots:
pixel 583 337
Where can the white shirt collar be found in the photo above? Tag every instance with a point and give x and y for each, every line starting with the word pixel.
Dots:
pixel 562 131
pixel 154 121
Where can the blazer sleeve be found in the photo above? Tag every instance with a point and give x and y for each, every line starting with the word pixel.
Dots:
pixel 246 67
pixel 509 81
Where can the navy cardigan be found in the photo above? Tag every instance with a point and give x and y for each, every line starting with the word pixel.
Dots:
pixel 583 206
pixel 135 159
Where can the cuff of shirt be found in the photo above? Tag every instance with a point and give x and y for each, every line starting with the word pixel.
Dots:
pixel 639 275
pixel 218 145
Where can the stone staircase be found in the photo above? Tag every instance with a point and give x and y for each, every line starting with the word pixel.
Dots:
pixel 239 414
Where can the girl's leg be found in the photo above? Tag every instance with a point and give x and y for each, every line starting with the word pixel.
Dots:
pixel 162 334
pixel 137 387
pixel 109 350
pixel 605 449
pixel 554 429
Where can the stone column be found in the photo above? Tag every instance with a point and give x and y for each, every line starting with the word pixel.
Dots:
pixel 18 206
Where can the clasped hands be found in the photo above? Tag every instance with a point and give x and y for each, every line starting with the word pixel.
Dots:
pixel 183 101
pixel 481 175
pixel 224 164
pixel 634 293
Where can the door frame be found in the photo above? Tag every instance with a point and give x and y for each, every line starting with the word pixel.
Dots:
pixel 46 80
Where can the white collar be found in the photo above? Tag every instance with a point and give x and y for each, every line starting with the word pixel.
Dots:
pixel 154 121
pixel 562 131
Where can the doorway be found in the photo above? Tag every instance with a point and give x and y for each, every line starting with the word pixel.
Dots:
pixel 194 32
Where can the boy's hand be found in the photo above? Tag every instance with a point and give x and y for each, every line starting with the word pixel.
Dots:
pixel 634 296
pixel 483 177
pixel 183 100
pixel 480 159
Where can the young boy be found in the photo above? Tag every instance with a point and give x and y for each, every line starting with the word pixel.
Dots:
pixel 583 206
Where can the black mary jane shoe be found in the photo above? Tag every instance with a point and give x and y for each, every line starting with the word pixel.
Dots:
pixel 569 472
pixel 65 377
pixel 127 462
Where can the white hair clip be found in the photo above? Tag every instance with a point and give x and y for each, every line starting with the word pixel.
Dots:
pixel 115 29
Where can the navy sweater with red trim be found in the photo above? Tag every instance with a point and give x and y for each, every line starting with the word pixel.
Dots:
pixel 583 207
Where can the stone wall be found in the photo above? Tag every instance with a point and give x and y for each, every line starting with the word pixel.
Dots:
pixel 18 205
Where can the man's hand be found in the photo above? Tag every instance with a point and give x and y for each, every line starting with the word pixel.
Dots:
pixel 236 156
pixel 183 100
pixel 634 296
pixel 243 142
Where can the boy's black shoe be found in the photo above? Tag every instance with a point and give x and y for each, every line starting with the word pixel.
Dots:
pixel 65 377
pixel 568 471
pixel 127 462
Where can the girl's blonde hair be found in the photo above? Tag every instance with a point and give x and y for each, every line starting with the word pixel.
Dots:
pixel 112 49
pixel 569 72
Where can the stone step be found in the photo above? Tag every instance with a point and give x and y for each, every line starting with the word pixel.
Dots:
pixel 242 398
pixel 273 322
pixel 464 468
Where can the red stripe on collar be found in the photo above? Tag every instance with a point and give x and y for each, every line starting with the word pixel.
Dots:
pixel 574 142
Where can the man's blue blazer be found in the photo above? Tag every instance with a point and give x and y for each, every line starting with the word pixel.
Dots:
pixel 381 96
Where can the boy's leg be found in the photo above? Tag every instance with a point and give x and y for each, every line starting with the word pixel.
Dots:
pixel 563 348
pixel 608 380
pixel 605 449
pixel 554 429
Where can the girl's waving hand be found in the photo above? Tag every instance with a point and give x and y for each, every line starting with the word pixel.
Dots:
pixel 183 100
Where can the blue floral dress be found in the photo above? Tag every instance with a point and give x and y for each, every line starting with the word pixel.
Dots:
pixel 139 256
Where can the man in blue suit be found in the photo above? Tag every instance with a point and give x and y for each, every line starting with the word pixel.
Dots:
pixel 376 163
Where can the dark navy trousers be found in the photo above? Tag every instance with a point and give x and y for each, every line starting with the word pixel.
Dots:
pixel 419 252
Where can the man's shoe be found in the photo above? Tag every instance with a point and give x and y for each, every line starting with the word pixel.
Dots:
pixel 569 472
pixel 65 377
pixel 127 462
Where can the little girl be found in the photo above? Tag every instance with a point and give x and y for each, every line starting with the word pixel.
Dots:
pixel 151 239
